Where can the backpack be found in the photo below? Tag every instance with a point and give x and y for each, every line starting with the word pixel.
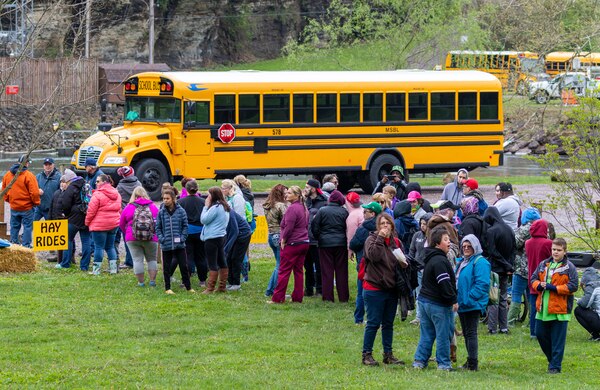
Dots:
pixel 482 206
pixel 249 212
pixel 143 225
pixel 85 195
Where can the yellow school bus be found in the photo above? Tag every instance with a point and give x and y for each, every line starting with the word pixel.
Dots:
pixel 356 124
pixel 563 61
pixel 513 68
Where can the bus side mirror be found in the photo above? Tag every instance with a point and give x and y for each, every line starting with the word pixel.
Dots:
pixel 104 126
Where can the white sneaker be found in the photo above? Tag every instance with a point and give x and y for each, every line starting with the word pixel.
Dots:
pixel 235 287
pixel 415 322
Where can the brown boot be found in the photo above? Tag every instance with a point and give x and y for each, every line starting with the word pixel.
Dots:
pixel 211 281
pixel 453 353
pixel 223 274
pixel 367 359
pixel 389 358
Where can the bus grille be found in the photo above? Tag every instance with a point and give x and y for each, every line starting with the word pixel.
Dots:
pixel 90 151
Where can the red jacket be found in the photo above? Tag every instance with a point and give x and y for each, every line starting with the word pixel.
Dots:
pixel 537 248
pixel 24 193
pixel 104 210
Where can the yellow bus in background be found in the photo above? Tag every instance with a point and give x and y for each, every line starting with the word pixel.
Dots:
pixel 514 69
pixel 566 61
pixel 356 124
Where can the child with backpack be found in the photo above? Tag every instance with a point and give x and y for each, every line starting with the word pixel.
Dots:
pixel 138 221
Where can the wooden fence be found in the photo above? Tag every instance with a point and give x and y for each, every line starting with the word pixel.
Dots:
pixel 57 82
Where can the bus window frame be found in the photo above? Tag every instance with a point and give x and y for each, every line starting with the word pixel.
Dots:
pixel 290 104
pixel 186 126
pixel 235 111
pixel 385 105
pixel 479 105
pixel 362 106
pixel 431 106
pixel 337 106
pixel 238 111
pixel 427 106
pixel 476 92
pixel 292 107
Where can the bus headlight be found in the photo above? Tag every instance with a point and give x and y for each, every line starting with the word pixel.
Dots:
pixel 115 160
pixel 74 158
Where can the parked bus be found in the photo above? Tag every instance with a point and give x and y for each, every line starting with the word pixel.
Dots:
pixel 513 68
pixel 566 61
pixel 356 124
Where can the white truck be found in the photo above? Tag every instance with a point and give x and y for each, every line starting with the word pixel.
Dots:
pixel 580 83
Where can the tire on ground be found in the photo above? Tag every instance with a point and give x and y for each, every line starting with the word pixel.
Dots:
pixel 379 167
pixel 152 173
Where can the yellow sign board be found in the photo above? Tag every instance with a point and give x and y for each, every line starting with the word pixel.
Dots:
pixel 261 233
pixel 51 235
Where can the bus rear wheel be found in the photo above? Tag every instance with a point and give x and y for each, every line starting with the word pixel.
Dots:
pixel 381 166
pixel 152 174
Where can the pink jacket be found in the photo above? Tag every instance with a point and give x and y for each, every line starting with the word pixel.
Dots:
pixel 127 217
pixel 104 210
pixel 354 220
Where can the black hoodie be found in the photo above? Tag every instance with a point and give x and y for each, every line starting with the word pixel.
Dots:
pixel 439 283
pixel 499 242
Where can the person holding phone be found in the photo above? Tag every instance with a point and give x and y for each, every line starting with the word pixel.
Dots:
pixel 397 179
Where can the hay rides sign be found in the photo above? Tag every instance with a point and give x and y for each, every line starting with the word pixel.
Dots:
pixel 50 235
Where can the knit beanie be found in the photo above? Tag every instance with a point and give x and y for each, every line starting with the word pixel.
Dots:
pixel 337 197
pixel 125 171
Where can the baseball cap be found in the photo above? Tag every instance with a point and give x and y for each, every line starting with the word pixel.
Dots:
pixel 353 198
pixel 446 204
pixel 313 183
pixel 505 187
pixel 48 160
pixel 24 159
pixel 373 206
pixel 472 184
pixel 413 195
pixel 90 162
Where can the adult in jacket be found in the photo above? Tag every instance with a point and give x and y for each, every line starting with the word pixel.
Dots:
pixel 556 280
pixel 274 208
pixel 472 223
pixel 329 228
pixel 140 249
pixel 379 282
pixel 72 207
pixel 438 302
pixel 500 251
pixel 193 204
pixel 294 245
pixel 48 181
pixel 172 231
pixel 472 284
pixel 587 311
pixel 238 241
pixel 102 218
pixel 315 200
pixel 538 248
pixel 357 244
pixel 454 191
pixel 215 218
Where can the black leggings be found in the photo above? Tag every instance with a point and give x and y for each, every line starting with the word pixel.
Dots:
pixel 171 259
pixel 194 248
pixel 469 321
pixel 235 258
pixel 215 255
pixel 589 319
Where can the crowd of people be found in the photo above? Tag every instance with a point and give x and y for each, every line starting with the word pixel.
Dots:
pixel 442 259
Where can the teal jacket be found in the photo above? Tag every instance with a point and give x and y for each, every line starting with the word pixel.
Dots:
pixel 473 281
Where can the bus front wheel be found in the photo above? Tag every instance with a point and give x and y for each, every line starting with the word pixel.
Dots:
pixel 152 174
pixel 381 166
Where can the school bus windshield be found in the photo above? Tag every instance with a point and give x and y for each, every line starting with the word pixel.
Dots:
pixel 153 109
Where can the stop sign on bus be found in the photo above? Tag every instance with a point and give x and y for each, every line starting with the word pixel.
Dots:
pixel 226 133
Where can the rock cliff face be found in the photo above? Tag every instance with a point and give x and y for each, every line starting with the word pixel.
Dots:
pixel 188 33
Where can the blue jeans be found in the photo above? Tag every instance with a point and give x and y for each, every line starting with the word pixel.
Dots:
pixel 519 287
pixel 128 258
pixel 552 336
pixel 437 324
pixel 39 214
pixel 84 237
pixel 18 218
pixel 381 311
pixel 274 244
pixel 359 307
pixel 104 241
pixel 417 291
pixel 532 311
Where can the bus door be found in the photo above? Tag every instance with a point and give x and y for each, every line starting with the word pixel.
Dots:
pixel 197 141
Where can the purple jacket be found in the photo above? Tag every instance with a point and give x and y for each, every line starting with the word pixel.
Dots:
pixel 127 217
pixel 294 225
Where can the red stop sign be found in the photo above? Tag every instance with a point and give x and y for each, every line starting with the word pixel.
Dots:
pixel 226 133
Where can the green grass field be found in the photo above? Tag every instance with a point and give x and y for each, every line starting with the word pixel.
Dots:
pixel 67 329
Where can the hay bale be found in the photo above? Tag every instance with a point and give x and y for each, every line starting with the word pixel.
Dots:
pixel 17 258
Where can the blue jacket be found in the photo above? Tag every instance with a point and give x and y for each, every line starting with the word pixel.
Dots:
pixel 473 284
pixel 215 220
pixel 357 243
pixel 237 228
pixel 49 184
pixel 92 179
pixel 171 229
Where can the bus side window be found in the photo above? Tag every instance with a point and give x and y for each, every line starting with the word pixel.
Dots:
pixel 276 108
pixel 326 107
pixel 196 113
pixel 224 109
pixel 303 108
pixel 372 107
pixel 467 106
pixel 395 107
pixel 488 102
pixel 443 106
pixel 417 106
pixel 349 107
pixel 249 110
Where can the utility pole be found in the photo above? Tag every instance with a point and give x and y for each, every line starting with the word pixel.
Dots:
pixel 88 20
pixel 151 34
